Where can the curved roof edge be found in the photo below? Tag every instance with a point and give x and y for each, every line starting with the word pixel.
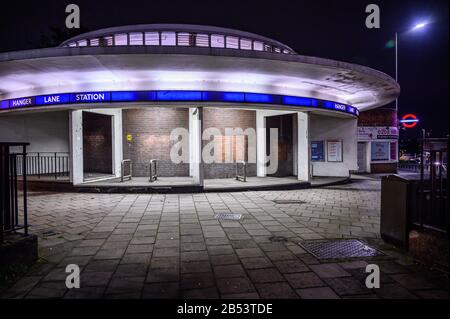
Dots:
pixel 74 51
pixel 176 27
pixel 60 52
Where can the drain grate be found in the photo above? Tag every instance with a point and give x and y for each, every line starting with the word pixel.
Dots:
pixel 50 233
pixel 228 216
pixel 278 239
pixel 340 249
pixel 288 201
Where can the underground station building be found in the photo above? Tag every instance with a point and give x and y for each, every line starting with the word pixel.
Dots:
pixel 169 105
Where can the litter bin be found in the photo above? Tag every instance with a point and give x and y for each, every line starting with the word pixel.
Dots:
pixel 395 207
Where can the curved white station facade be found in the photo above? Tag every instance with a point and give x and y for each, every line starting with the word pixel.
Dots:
pixel 189 76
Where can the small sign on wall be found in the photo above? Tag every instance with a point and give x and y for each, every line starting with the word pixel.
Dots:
pixel 317 151
pixel 334 151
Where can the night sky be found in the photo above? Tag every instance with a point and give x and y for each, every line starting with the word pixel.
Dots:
pixel 329 29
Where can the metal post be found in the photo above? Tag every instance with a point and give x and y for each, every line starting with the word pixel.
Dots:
pixel 421 155
pixel 396 68
pixel 24 179
pixel 56 176
pixel 2 210
pixel 38 164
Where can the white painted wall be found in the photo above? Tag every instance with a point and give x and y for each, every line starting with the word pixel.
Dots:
pixel 45 131
pixel 333 128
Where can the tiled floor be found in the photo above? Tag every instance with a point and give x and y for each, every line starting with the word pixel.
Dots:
pixel 171 246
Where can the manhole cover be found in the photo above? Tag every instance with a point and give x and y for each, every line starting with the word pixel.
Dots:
pixel 288 201
pixel 340 249
pixel 278 239
pixel 228 216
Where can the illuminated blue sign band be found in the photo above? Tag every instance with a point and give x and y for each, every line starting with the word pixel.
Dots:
pixel 176 96
pixel 90 97
pixel 52 99
pixel 21 102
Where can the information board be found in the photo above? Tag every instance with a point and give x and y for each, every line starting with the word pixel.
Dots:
pixel 334 151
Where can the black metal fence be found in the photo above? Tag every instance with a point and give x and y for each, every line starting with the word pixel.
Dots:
pixel 413 167
pixel 10 220
pixel 431 192
pixel 54 164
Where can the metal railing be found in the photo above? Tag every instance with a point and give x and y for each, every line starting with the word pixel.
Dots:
pixel 9 190
pixel 153 171
pixel 39 164
pixel 413 167
pixel 241 177
pixel 431 202
pixel 123 165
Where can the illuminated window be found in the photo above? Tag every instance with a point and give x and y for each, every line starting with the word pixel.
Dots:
pixel 217 41
pixel 151 38
pixel 246 44
pixel 184 39
pixel 82 43
pixel 168 38
pixel 232 43
pixel 72 44
pixel 106 41
pixel 258 46
pixel 94 42
pixel 201 40
pixel 267 48
pixel 136 38
pixel 120 39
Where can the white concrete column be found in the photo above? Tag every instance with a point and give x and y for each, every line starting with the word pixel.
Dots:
pixel 303 151
pixel 195 144
pixel 76 146
pixel 260 143
pixel 117 136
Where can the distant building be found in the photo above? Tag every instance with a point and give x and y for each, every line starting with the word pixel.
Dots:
pixel 378 134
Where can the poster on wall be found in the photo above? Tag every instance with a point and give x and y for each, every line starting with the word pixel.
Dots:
pixel 317 151
pixel 380 151
pixel 334 151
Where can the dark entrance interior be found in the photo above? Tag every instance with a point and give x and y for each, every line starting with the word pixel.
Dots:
pixel 284 124
pixel 97 144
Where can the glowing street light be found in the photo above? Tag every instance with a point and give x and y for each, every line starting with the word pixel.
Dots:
pixel 419 26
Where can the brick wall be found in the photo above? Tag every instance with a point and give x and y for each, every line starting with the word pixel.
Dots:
pixel 97 143
pixel 229 118
pixel 150 130
pixel 383 168
pixel 378 117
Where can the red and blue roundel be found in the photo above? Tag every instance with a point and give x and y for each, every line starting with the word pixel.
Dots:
pixel 409 120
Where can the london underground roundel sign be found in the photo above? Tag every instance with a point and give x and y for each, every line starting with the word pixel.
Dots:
pixel 409 120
